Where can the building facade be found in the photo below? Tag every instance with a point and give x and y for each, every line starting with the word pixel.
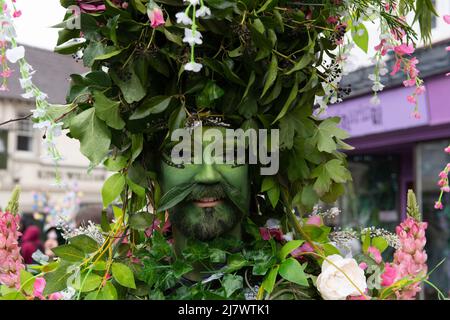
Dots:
pixel 23 160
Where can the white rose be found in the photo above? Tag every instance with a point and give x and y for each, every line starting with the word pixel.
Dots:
pixel 334 285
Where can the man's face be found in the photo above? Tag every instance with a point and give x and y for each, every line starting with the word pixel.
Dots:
pixel 210 209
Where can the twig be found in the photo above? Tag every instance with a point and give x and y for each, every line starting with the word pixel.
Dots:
pixel 15 120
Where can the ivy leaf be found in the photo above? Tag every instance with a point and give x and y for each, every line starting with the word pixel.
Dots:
pixel 232 283
pixel 112 188
pixel 328 130
pixel 333 170
pixel 123 275
pixel 94 135
pixel 292 271
pixel 153 105
pixel 108 111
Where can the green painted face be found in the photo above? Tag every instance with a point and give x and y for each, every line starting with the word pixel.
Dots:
pixel 211 209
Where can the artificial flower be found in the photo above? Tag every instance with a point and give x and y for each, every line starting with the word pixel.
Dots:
pixel 447 18
pixel 15 54
pixel 204 11
pixel 183 18
pixel 193 66
pixel 375 254
pixel 38 288
pixel 334 285
pixel 192 37
pixel 156 16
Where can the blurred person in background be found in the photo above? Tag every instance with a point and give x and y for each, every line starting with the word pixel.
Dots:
pixel 31 242
pixel 53 239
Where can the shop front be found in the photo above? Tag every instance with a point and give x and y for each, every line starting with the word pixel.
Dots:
pixel 395 152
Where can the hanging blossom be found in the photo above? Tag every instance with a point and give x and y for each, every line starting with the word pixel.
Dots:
pixel 395 41
pixel 410 260
pixel 443 182
pixel 192 36
pixel 11 53
pixel 155 15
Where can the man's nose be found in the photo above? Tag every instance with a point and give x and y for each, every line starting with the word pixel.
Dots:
pixel 207 175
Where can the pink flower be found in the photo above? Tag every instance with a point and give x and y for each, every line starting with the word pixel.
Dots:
pixel 39 286
pixel 420 90
pixel 17 14
pixel 409 83
pixel 438 205
pixel 447 18
pixel 442 174
pixel 447 48
pixel 375 254
pixel 306 247
pixel 404 49
pixel 397 67
pixel 416 115
pixel 447 149
pixel 156 17
pixel 389 276
pixel 314 220
pixel 363 265
pixel 6 73
pixel 91 6
pixel 55 296
pixel 411 99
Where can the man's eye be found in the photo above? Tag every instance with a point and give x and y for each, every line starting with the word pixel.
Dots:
pixel 167 160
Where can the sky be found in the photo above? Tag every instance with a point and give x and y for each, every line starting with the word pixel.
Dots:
pixel 34 26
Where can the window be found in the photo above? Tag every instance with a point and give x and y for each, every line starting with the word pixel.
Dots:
pixel 24 134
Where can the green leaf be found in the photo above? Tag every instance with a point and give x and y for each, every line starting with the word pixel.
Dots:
pixel 89 282
pixel 292 271
pixel 328 130
pixel 69 253
pixel 209 94
pixel 333 170
pixel 27 282
pixel 269 280
pixel 140 221
pixel 93 134
pixel 232 283
pixel 271 75
pixel 56 280
pixel 174 196
pixel 108 110
pixel 274 195
pixel 112 188
pixel 289 247
pixel 132 88
pixel 70 46
pixel 380 243
pixel 108 292
pixel 153 105
pixel 123 275
pixel 235 262
pixel 84 243
pixel 291 98
pixel 137 145
pixel 360 36
pixel 302 63
pixel 268 183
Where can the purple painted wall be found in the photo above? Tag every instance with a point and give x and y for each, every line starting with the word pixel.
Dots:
pixel 438 94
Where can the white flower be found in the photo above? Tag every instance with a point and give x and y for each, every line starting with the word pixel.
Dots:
pixel 378 86
pixel 273 224
pixel 372 77
pixel 28 95
pixel 193 2
pixel 204 11
pixel 68 293
pixel 42 125
pixel 375 100
pixel 15 54
pixel 193 66
pixel 192 37
pixel 183 18
pixel 288 236
pixel 25 82
pixel 334 285
pixel 383 71
pixel 38 113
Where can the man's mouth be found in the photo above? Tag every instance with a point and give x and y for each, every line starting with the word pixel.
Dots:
pixel 207 202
